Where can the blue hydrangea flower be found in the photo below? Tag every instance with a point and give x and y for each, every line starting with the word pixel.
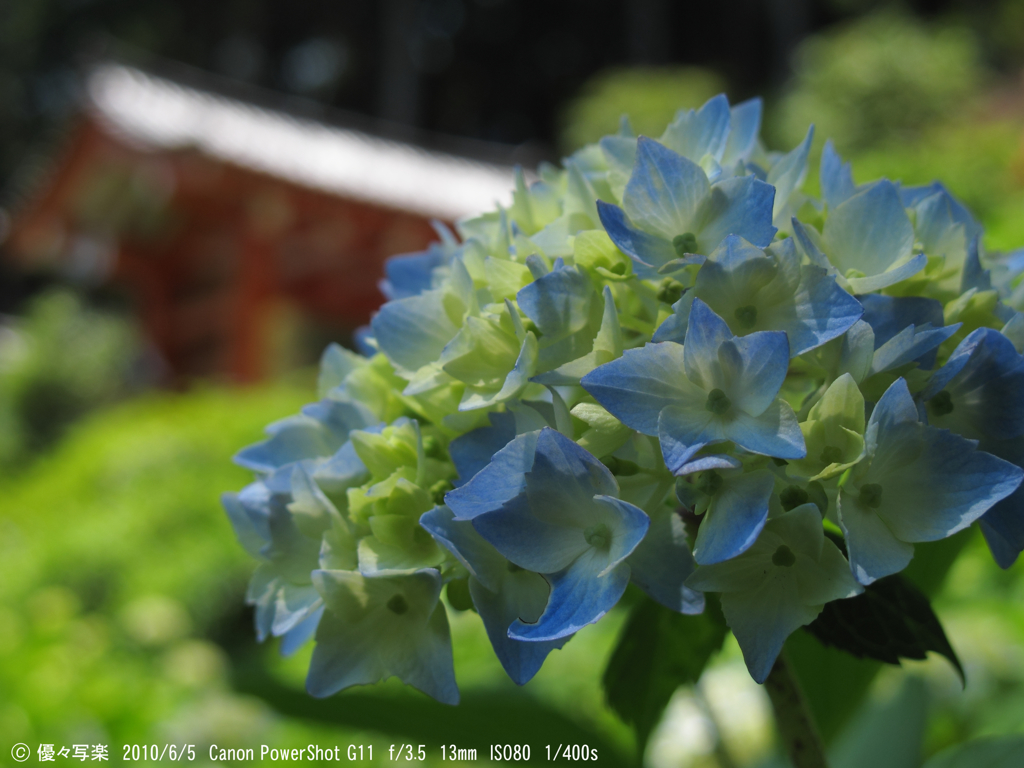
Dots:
pixel 767 290
pixel 670 209
pixel 502 593
pixel 715 387
pixel 979 394
pixel 376 627
pixel 554 510
pixel 777 585
pixel 915 483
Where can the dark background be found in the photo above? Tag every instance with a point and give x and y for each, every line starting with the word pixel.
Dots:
pixel 497 70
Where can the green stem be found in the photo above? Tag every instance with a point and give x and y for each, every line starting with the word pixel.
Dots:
pixel 795 723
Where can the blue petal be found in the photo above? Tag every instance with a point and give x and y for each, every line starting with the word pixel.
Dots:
pixel 744 127
pixel 974 275
pixel 342 471
pixel 472 451
pixel 647 249
pixel 521 660
pixel 954 209
pixel 563 470
pixel 694 133
pixel 500 481
pixel 836 177
pixel 705 333
pixel 559 302
pixel 735 518
pixel 482 560
pixel 985 378
pixel 936 483
pixel 889 277
pixel 294 439
pixel 252 530
pixel 683 432
pixel 410 274
pixel 910 345
pixel 413 331
pixel 775 432
pixel 578 597
pixel 788 173
pixel 888 315
pixel 360 642
pixel 635 387
pixel 819 312
pixel 738 206
pixel 662 562
pixel 1003 527
pixel 300 634
pixel 341 416
pixel 674 327
pixel 869 232
pixel 531 541
pixel 665 192
pixel 894 407
pixel 873 549
pixel 754 368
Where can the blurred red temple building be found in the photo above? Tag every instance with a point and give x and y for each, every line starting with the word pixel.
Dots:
pixel 213 214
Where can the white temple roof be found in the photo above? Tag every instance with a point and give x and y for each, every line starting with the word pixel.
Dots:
pixel 158 114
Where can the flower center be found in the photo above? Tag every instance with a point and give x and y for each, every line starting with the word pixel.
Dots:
pixel 746 317
pixel 397 605
pixel 709 482
pixel 792 497
pixel 831 455
pixel 598 536
pixel 941 404
pixel 718 402
pixel 684 244
pixel 670 291
pixel 871 495
pixel 783 557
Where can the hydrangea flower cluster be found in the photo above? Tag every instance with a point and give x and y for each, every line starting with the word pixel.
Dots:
pixel 664 364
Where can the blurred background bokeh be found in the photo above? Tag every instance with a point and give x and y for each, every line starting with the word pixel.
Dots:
pixel 163 298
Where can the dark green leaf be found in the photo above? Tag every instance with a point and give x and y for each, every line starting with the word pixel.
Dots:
pixel 891 620
pixel 659 650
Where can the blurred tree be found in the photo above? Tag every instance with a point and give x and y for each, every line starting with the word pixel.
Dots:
pixel 62 360
pixel 885 76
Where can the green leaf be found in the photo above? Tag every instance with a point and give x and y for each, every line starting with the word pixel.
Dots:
pixel 891 620
pixel 991 752
pixel 659 650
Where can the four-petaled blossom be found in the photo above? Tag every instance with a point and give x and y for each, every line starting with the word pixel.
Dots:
pixel 712 388
pixel 375 627
pixel 670 209
pixel 915 483
pixel 781 583
pixel 566 522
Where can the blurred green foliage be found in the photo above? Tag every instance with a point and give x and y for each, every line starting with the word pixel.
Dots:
pixel 879 78
pixel 649 95
pixel 122 616
pixel 57 363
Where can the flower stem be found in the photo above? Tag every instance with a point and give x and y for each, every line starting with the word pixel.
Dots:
pixel 793 719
